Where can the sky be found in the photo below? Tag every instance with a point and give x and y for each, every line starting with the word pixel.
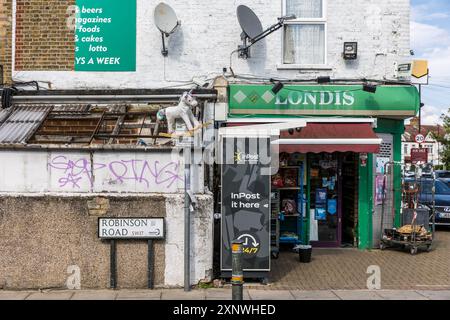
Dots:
pixel 430 39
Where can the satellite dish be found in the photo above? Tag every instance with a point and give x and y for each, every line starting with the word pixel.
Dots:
pixel 249 21
pixel 167 22
pixel 252 29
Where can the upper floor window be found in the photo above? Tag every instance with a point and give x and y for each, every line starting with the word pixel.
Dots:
pixel 305 37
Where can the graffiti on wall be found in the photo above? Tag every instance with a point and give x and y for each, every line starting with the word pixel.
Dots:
pixel 75 173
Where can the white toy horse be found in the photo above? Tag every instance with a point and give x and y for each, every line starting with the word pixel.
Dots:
pixel 182 110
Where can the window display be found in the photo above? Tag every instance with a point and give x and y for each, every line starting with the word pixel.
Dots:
pixel 324 196
pixel 290 184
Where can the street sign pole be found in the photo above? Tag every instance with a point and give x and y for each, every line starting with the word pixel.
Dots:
pixel 150 264
pixel 113 265
pixel 118 228
pixel 420 111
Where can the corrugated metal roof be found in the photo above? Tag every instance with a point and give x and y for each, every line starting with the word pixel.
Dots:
pixel 21 123
pixel 4 113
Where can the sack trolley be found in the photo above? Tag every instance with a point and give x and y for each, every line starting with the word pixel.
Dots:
pixel 416 217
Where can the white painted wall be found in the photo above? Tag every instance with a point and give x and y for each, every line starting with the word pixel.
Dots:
pixel 210 32
pixel 67 173
pixel 201 249
pixel 62 171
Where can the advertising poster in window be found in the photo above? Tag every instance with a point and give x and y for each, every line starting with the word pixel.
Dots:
pixel 105 35
pixel 379 194
pixel 246 201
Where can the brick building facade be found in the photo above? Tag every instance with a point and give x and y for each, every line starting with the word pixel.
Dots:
pixel 204 42
pixel 66 157
pixel 6 39
pixel 42 41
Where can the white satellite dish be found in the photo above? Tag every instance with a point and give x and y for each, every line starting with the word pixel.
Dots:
pixel 249 21
pixel 167 22
pixel 252 29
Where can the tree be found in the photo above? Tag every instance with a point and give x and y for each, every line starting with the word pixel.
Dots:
pixel 444 139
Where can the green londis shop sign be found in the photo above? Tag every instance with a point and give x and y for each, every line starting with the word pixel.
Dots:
pixel 105 35
pixel 260 101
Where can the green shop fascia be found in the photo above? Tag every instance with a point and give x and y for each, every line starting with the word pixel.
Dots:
pixel 348 215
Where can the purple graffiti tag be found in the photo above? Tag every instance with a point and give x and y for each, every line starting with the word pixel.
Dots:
pixel 139 171
pixel 119 170
pixel 138 177
pixel 126 170
pixel 74 171
pixel 171 175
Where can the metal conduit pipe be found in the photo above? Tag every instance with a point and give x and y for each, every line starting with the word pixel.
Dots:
pixel 47 99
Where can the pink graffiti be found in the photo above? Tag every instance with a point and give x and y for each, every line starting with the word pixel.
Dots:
pixel 140 171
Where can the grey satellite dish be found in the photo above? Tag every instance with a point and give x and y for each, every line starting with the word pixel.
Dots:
pixel 252 29
pixel 167 22
pixel 249 21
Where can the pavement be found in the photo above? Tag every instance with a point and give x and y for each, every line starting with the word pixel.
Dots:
pixel 347 269
pixel 225 294
pixel 333 274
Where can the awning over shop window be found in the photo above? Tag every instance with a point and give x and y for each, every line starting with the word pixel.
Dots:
pixel 331 137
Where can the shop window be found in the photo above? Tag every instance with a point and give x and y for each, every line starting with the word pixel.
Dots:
pixel 305 36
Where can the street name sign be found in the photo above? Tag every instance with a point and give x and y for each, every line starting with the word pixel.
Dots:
pixel 131 228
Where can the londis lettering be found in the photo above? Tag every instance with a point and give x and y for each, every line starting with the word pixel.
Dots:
pixel 323 98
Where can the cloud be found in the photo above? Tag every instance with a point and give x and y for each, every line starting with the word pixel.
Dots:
pixel 429 11
pixel 431 115
pixel 430 39
pixel 439 62
pixel 426 37
pixel 421 17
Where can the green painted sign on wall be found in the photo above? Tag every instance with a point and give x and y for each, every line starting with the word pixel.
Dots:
pixel 351 100
pixel 105 35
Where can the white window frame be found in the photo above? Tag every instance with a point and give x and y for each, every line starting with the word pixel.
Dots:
pixel 321 21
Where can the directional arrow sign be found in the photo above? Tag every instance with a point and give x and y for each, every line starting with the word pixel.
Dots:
pixel 247 237
pixel 157 232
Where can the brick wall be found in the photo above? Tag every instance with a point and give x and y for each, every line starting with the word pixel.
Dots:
pixel 43 41
pixel 84 127
pixel 5 39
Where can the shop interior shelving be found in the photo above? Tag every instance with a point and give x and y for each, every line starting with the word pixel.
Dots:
pixel 292 224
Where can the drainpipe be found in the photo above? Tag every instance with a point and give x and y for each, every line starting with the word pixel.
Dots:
pixel 187 220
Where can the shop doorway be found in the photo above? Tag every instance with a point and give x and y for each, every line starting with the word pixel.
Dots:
pixel 325 199
pixel 350 178
pixel 333 199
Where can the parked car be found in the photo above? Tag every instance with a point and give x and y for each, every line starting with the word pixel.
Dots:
pixel 427 171
pixel 441 198
pixel 409 174
pixel 443 175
